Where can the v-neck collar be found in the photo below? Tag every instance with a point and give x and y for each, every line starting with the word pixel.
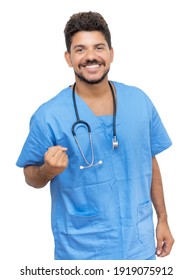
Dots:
pixel 85 106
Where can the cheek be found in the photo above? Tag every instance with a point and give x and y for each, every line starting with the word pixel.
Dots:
pixel 72 63
pixel 111 55
pixel 75 62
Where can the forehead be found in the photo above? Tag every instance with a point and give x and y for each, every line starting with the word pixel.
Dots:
pixel 88 38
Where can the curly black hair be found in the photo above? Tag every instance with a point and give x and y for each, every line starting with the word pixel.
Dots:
pixel 86 21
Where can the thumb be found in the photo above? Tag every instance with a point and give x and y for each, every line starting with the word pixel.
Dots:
pixel 64 149
pixel 159 247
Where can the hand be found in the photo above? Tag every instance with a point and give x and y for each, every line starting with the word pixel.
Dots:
pixel 55 161
pixel 165 239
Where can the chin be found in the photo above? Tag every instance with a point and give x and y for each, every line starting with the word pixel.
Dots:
pixel 92 81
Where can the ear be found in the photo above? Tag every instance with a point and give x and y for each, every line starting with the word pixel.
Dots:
pixel 111 54
pixel 68 58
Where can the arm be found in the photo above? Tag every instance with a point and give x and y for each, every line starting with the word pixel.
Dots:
pixel 55 162
pixel 163 234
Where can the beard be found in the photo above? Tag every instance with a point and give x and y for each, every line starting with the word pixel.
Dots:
pixel 91 81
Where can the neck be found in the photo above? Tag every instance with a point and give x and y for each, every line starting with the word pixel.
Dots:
pixel 98 97
pixel 87 90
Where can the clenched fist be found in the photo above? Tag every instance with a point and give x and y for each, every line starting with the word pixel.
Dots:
pixel 55 160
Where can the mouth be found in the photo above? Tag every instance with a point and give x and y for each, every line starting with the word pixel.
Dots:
pixel 91 64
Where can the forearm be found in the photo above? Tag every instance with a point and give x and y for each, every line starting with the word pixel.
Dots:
pixel 157 193
pixel 164 237
pixel 55 162
pixel 36 176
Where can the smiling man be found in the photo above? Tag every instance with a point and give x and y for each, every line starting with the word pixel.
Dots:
pixel 90 56
pixel 95 143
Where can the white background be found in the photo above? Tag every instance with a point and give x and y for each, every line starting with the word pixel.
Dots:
pixel 153 48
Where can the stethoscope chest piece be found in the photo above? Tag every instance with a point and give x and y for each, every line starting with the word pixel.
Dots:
pixel 115 143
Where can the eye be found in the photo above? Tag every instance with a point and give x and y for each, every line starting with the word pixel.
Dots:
pixel 100 47
pixel 79 50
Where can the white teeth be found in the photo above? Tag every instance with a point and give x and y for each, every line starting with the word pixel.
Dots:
pixel 92 66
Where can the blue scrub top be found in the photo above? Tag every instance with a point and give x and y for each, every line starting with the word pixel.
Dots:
pixel 103 212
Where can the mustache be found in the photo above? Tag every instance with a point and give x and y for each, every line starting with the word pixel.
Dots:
pixel 89 62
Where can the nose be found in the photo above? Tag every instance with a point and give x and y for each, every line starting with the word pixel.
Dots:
pixel 91 54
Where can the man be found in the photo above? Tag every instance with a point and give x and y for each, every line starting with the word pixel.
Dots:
pixel 96 142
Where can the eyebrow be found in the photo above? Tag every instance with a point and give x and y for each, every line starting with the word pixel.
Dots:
pixel 78 46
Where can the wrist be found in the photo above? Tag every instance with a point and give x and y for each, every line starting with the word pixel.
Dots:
pixel 45 173
pixel 162 218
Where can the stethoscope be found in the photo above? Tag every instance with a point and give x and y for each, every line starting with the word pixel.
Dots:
pixel 79 121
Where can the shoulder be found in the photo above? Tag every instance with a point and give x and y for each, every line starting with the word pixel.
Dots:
pixel 54 105
pixel 130 91
pixel 134 98
pixel 57 100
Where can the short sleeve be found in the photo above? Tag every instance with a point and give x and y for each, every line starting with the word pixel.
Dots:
pixel 38 141
pixel 160 139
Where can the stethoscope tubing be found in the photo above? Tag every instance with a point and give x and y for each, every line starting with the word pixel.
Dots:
pixel 79 121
